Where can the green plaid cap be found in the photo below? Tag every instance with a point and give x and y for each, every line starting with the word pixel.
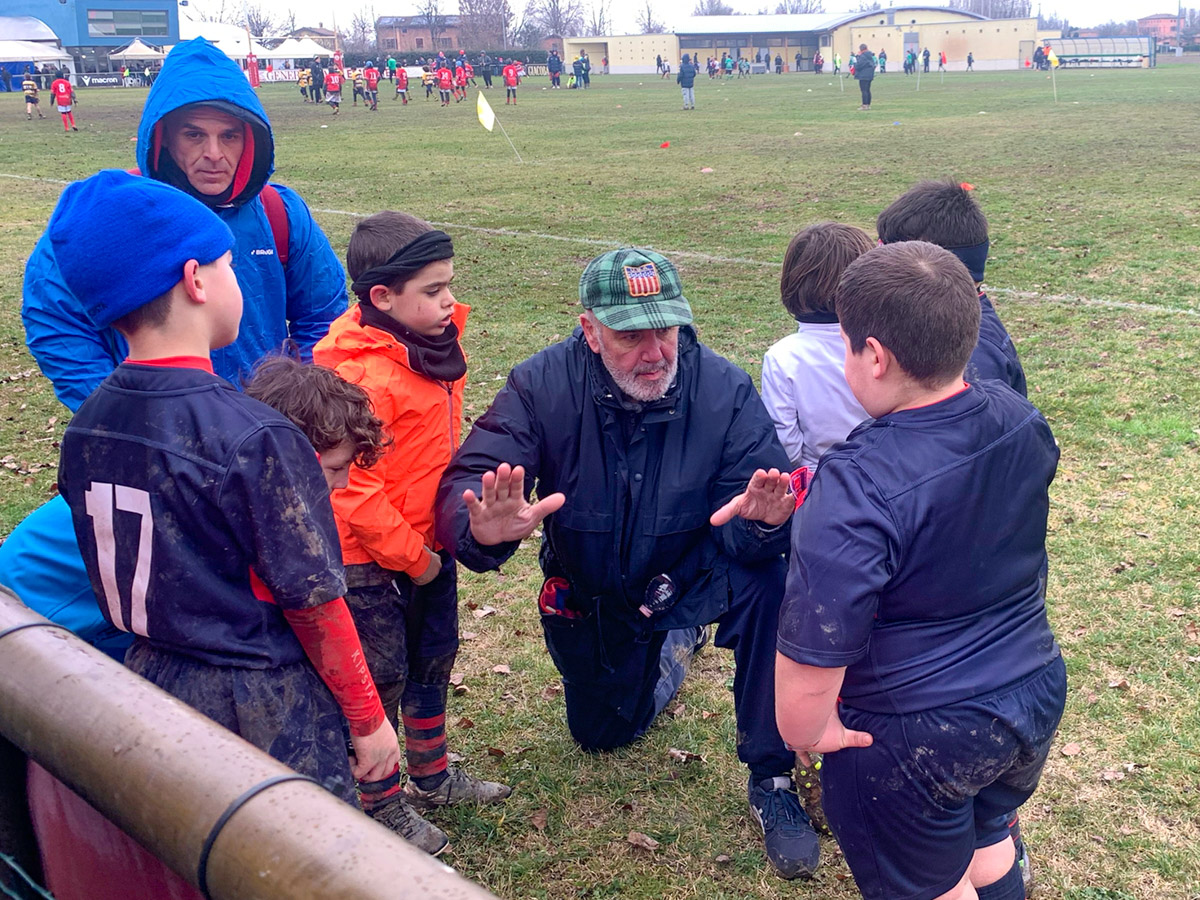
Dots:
pixel 631 288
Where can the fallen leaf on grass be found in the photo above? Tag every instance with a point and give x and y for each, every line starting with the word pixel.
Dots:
pixel 496 752
pixel 502 670
pixel 1192 632
pixel 708 714
pixel 1122 566
pixel 1112 775
pixel 550 691
pixel 461 690
pixel 456 678
pixel 723 859
pixel 468 636
pixel 464 722
pixel 644 841
pixel 684 756
pixel 1071 749
pixel 538 820
pixel 484 611
pixel 676 711
pixel 1121 684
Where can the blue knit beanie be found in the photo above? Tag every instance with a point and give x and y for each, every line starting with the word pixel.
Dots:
pixel 157 228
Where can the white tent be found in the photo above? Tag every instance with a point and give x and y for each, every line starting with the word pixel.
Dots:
pixel 298 49
pixel 137 51
pixel 28 51
pixel 230 39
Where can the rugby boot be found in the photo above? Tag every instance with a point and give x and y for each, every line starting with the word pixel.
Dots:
pixel 458 787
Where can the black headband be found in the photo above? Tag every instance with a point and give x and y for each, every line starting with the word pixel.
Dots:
pixel 973 257
pixel 408 260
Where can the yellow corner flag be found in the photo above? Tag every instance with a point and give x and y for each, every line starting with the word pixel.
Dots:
pixel 1053 60
pixel 487 118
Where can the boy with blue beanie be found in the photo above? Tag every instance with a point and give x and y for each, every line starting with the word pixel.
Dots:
pixel 914 649
pixel 203 515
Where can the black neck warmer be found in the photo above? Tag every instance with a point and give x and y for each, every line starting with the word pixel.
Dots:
pixel 817 318
pixel 438 358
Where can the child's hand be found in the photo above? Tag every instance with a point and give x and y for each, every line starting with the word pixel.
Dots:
pixel 837 736
pixel 433 565
pixel 767 499
pixel 376 755
pixel 503 514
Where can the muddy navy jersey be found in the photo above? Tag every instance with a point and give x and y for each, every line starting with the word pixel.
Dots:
pixel 180 488
pixel 918 558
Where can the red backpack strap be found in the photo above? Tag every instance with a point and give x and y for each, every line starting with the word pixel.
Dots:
pixel 278 218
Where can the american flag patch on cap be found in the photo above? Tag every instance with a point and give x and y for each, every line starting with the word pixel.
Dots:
pixel 642 280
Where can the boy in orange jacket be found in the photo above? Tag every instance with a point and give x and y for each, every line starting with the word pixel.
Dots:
pixel 400 343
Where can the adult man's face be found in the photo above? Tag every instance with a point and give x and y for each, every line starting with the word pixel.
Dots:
pixel 643 363
pixel 207 145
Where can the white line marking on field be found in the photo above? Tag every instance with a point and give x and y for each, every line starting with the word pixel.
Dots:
pixel 1065 299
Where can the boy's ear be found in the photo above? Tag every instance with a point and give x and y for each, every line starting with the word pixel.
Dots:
pixel 193 281
pixel 381 297
pixel 881 359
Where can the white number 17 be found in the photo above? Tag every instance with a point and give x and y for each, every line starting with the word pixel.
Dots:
pixel 99 499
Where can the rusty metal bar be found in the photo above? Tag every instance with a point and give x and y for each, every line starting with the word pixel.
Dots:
pixel 165 774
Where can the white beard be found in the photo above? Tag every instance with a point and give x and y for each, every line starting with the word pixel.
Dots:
pixel 632 386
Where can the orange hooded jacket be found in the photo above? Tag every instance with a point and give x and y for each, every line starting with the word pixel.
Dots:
pixel 385 514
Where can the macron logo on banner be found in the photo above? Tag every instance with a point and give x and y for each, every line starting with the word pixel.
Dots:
pixel 263 251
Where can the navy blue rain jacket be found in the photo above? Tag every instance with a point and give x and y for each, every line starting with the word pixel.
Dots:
pixel 687 75
pixel 554 65
pixel 640 480
pixel 299 302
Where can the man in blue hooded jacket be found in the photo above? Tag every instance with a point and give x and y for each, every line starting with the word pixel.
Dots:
pixel 204 131
pixel 664 507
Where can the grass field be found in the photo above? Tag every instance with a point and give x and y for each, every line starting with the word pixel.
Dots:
pixel 1094 205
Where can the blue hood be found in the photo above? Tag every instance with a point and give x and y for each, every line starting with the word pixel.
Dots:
pixel 197 72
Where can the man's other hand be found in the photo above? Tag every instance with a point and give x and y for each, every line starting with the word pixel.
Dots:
pixel 767 499
pixel 502 514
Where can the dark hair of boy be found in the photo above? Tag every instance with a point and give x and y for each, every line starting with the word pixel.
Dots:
pixel 376 238
pixel 919 302
pixel 328 409
pixel 152 315
pixel 815 261
pixel 940 212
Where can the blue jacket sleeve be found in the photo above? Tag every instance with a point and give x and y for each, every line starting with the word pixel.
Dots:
pixel 316 281
pixel 71 351
pixel 505 433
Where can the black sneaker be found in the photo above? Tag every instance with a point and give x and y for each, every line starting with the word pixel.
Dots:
pixel 400 817
pixel 791 843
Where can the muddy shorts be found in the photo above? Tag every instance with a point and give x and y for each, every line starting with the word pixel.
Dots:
pixel 911 809
pixel 286 711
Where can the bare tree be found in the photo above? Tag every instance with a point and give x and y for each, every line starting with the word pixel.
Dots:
pixel 563 18
pixel 525 30
pixel 432 17
pixel 599 18
pixel 485 23
pixel 712 8
pixel 361 36
pixel 286 23
pixel 647 22
pixel 217 11
pixel 258 20
pixel 995 9
pixel 800 6
pixel 869 6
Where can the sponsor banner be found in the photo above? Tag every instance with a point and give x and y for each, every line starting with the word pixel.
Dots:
pixel 103 79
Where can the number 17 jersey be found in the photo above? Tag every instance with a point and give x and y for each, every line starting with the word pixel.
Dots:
pixel 200 513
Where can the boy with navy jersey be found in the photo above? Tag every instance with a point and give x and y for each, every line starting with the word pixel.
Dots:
pixel 203 515
pixel 913 648
pixel 945 213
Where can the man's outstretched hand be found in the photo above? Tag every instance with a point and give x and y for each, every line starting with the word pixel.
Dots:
pixel 502 514
pixel 767 499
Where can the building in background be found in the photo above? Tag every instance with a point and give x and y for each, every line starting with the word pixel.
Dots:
pixel 91 29
pixel 326 37
pixel 994 43
pixel 1163 27
pixel 420 34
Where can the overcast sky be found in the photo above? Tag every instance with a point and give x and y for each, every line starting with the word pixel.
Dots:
pixel 310 12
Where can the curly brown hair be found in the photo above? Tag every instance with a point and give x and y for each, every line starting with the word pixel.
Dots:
pixel 328 409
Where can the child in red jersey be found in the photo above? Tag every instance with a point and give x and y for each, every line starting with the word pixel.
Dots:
pixel 401 84
pixel 64 97
pixel 333 89
pixel 460 83
pixel 511 79
pixel 445 81
pixel 371 77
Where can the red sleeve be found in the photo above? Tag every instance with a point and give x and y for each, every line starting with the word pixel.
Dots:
pixel 330 640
